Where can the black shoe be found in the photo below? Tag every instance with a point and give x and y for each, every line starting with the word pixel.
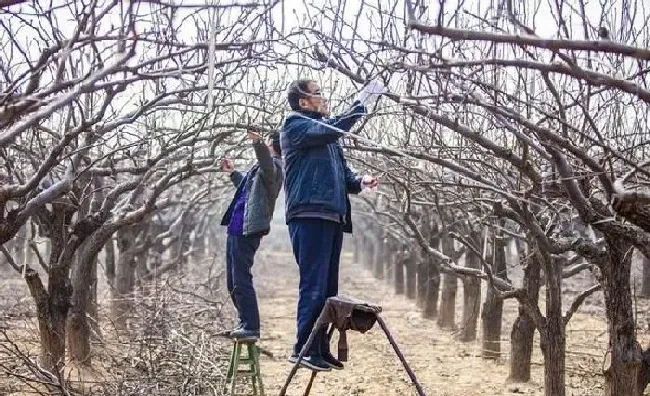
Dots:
pixel 228 333
pixel 333 362
pixel 245 335
pixel 315 363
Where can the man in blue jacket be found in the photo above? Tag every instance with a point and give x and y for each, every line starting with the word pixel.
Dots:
pixel 248 219
pixel 317 184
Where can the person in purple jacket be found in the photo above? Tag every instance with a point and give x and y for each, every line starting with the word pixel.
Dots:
pixel 248 219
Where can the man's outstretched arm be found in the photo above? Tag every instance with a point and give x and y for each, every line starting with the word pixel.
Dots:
pixel 306 132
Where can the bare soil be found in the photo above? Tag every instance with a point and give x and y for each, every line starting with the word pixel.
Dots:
pixel 442 364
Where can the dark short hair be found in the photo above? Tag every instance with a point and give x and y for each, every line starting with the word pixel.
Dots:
pixel 275 142
pixel 297 90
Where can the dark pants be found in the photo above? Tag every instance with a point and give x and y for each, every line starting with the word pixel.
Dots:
pixel 240 252
pixel 317 248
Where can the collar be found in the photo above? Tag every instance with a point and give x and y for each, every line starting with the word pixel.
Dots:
pixel 306 113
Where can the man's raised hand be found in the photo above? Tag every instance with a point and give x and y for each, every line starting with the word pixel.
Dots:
pixel 371 92
pixel 254 136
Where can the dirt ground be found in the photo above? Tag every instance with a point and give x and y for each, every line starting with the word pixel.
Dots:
pixel 443 365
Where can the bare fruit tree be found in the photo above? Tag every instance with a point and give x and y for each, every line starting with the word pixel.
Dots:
pixel 107 122
pixel 540 132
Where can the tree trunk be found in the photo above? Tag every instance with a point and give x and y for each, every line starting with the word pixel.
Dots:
pixel 357 247
pixel 84 279
pixel 18 244
pixel 391 259
pixel 79 328
pixel 553 336
pixel 430 310
pixel 523 330
pixel 400 260
pixel 142 272
pixel 51 309
pixel 471 299
pixel 93 304
pixel 422 280
pixel 645 285
pixel 109 266
pixel 30 257
pixel 379 261
pixel 624 370
pixel 124 277
pixel 124 285
pixel 447 316
pixel 446 319
pixel 198 242
pixel 53 304
pixel 369 250
pixel 493 306
pixel 411 271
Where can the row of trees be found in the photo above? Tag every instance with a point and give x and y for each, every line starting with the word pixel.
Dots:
pixel 111 126
pixel 492 131
pixel 113 119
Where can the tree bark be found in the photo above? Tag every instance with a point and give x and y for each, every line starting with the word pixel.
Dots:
pixel 447 315
pixel 18 244
pixel 30 257
pixel 51 310
pixel 124 277
pixel 391 259
pixel 624 368
pixel 380 259
pixel 369 252
pixel 411 271
pixel 142 272
pixel 109 267
pixel 430 310
pixel 645 284
pixel 53 304
pixel 60 292
pixel 400 260
pixel 553 335
pixel 493 306
pixel 471 298
pixel 422 280
pixel 84 280
pixel 523 329
pixel 199 242
pixel 79 327
pixel 356 256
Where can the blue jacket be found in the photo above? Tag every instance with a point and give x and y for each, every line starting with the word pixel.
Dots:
pixel 317 178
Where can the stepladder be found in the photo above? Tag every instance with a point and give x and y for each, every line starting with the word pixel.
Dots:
pixel 251 371
pixel 343 314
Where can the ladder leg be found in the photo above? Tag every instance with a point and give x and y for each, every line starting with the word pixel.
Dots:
pixel 235 367
pixel 252 362
pixel 230 365
pixel 258 369
pixel 301 355
pixel 311 382
pixel 399 354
